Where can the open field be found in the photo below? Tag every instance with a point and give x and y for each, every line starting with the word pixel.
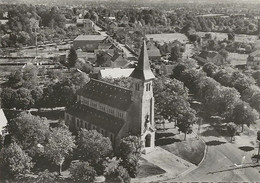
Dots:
pixel 238 37
pixel 161 38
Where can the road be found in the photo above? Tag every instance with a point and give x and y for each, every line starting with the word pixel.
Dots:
pixel 218 164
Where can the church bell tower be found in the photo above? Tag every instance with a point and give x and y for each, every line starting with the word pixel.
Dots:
pixel 143 100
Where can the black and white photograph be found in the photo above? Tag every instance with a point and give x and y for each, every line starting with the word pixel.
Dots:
pixel 129 91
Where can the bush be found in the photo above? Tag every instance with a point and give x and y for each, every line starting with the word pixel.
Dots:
pixel 131 164
pixel 82 172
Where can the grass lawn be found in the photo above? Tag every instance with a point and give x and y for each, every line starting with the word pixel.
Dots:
pixel 191 150
pixel 148 169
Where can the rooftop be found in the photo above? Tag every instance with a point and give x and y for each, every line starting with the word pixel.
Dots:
pixel 116 72
pixel 90 38
pixel 106 93
pixel 96 117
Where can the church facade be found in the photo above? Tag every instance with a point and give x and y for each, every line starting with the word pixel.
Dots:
pixel 118 112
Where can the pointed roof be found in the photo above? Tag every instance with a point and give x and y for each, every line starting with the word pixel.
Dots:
pixel 143 70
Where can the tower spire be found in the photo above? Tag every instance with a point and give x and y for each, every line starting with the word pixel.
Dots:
pixel 143 70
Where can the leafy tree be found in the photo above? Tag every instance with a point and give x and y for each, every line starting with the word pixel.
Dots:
pixel 82 172
pixel 15 79
pixel 30 73
pixel 55 74
pixel 130 163
pixel 83 66
pixel 210 68
pixel 93 147
pixel 130 152
pixel 244 114
pixel 45 177
pixel 59 146
pixel 231 129
pixel 185 122
pixel 14 161
pixel 175 53
pixel 8 98
pixel 72 57
pixel 130 145
pixel 102 58
pixel 23 99
pixel 37 96
pixel 28 131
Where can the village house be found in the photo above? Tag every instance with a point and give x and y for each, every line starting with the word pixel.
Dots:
pixel 115 73
pixel 154 53
pixel 210 56
pixel 86 23
pixel 88 42
pixel 117 112
pixel 253 59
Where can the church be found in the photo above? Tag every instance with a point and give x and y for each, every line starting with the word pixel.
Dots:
pixel 117 112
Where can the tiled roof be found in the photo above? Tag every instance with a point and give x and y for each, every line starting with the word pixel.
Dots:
pixel 107 122
pixel 207 54
pixel 154 53
pixel 90 38
pixel 255 53
pixel 107 93
pixel 116 72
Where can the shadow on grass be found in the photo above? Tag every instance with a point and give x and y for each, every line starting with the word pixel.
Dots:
pixel 148 169
pixel 162 135
pixel 246 148
pixel 214 143
pixel 166 141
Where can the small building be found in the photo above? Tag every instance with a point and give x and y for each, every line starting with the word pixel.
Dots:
pixel 86 23
pixel 253 59
pixel 210 56
pixel 154 53
pixel 114 73
pixel 88 42
pixel 124 20
pixel 3 122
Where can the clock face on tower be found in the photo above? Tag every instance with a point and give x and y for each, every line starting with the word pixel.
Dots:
pixel 147 97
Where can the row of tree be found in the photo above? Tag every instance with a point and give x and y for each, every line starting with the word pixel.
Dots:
pixel 33 146
pixel 217 100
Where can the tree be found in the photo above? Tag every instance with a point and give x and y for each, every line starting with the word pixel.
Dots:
pixel 185 122
pixel 83 66
pixel 210 68
pixel 244 114
pixel 82 172
pixel 130 145
pixel 45 177
pixel 94 148
pixel 23 99
pixel 175 53
pixel 102 58
pixel 59 146
pixel 14 161
pixel 116 173
pixel 15 79
pixel 29 131
pixel 231 129
pixel 8 98
pixel 72 57
pixel 130 152
pixel 37 93
pixel 30 73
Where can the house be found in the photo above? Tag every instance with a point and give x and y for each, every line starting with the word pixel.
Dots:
pixel 114 73
pixel 210 56
pixel 154 53
pixel 117 112
pixel 3 122
pixel 86 23
pixel 88 42
pixel 253 59
pixel 118 60
pixel 124 20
